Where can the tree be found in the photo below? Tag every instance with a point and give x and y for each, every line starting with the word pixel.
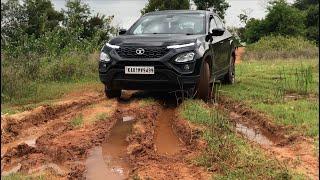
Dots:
pixel 281 19
pixel 41 16
pixel 254 30
pixel 244 15
pixel 157 5
pixel 284 19
pixel 76 14
pixel 311 10
pixel 305 4
pixel 219 6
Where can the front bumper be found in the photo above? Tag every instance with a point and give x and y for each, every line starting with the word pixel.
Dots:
pixel 165 78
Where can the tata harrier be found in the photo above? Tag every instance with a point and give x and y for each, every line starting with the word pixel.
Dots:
pixel 174 50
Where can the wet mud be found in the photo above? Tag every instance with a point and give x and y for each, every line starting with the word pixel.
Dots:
pixel 125 139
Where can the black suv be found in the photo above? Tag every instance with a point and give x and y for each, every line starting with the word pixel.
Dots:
pixel 168 51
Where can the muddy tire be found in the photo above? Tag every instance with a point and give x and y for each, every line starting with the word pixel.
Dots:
pixel 229 78
pixel 204 90
pixel 112 93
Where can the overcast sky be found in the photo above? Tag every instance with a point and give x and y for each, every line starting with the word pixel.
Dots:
pixel 126 12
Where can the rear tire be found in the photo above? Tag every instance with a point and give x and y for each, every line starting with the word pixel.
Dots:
pixel 112 93
pixel 204 88
pixel 229 78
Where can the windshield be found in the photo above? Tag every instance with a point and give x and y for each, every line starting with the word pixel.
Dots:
pixel 170 24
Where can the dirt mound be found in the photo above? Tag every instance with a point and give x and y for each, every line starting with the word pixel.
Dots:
pixel 11 126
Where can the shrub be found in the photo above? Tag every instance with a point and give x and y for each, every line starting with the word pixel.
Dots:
pixel 281 47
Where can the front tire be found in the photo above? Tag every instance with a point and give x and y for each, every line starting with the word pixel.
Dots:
pixel 112 93
pixel 204 90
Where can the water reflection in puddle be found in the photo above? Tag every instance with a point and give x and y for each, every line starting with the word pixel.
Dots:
pixel 109 161
pixel 253 135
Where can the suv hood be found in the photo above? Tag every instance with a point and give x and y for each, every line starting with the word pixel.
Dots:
pixel 153 39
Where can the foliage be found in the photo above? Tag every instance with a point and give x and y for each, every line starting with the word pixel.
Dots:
pixel 282 19
pixel 281 47
pixel 219 6
pixel 158 5
pixel 42 45
pixel 311 10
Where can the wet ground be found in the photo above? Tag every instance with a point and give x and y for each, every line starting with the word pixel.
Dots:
pixel 87 136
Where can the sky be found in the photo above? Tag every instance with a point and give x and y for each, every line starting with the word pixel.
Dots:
pixel 126 12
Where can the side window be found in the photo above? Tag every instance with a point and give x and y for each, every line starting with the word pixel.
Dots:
pixel 219 22
pixel 212 24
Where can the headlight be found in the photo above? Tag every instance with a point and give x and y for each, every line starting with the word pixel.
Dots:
pixel 104 57
pixel 185 57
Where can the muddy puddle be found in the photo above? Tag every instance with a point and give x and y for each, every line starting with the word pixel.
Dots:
pixel 253 134
pixel 109 160
pixel 166 140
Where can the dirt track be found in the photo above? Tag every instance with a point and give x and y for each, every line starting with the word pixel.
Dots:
pixel 131 138
pixel 44 141
pixel 151 143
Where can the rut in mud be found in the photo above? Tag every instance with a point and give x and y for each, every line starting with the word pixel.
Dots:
pixel 296 152
pixel 126 138
pixel 116 139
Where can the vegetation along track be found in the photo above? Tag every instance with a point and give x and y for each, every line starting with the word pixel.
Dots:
pixel 138 136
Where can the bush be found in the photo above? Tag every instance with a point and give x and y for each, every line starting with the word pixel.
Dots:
pixel 21 76
pixel 281 47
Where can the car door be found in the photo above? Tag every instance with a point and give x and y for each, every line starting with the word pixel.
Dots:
pixel 214 48
pixel 225 45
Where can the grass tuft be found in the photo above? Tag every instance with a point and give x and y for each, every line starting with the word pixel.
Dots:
pixel 102 117
pixel 77 121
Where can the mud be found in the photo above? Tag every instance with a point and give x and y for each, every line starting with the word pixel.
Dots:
pixel 121 138
pixel 109 161
pixel 166 141
pixel 239 54
pixel 11 126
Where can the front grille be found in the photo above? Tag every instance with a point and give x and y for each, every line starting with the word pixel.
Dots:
pixel 149 52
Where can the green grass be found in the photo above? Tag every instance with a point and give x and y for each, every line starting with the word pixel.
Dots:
pixel 46 93
pixel 275 47
pixel 45 77
pixel 227 154
pixel 146 102
pixel 77 121
pixel 271 87
pixel 19 176
pixel 101 117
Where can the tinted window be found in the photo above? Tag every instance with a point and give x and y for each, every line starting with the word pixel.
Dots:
pixel 212 24
pixel 170 24
pixel 219 22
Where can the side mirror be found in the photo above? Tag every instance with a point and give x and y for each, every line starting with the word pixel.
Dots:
pixel 217 32
pixel 122 31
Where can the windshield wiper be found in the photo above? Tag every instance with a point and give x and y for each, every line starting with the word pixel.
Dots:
pixel 189 34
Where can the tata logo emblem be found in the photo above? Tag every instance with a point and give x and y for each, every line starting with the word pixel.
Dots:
pixel 140 51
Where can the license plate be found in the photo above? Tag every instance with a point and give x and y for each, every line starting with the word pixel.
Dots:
pixel 139 70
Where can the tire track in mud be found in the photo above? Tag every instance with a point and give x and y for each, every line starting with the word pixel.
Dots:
pixel 295 151
pixel 143 154
pixel 59 142
pixel 14 125
pixel 54 146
